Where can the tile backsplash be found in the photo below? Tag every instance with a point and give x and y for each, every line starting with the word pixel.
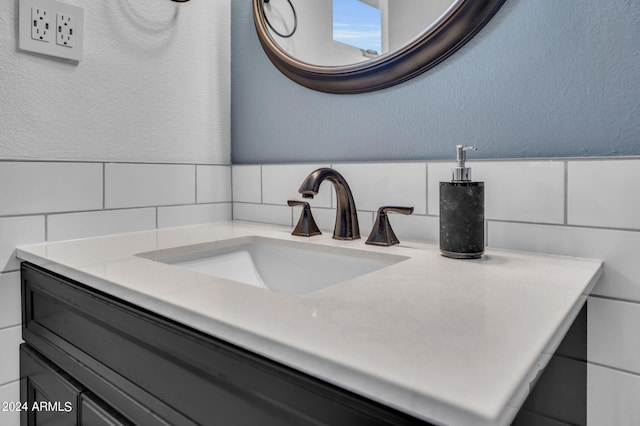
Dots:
pixel 50 201
pixel 142 185
pixel 571 207
pixel 525 191
pixel 36 187
pixel 604 194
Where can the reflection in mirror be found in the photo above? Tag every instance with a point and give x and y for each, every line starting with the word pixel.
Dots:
pixel 344 32
pixel 356 46
pixel 358 24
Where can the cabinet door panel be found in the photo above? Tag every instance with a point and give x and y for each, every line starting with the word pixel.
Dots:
pixel 51 397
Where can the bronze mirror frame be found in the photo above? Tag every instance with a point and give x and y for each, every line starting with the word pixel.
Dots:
pixel 461 22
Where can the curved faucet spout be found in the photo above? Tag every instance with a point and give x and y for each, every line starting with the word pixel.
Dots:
pixel 346 218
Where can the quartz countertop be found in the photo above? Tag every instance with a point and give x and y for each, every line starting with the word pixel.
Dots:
pixel 453 342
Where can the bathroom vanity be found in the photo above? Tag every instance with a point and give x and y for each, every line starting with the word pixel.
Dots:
pixel 128 332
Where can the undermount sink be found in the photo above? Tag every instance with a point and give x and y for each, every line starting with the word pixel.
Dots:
pixel 284 266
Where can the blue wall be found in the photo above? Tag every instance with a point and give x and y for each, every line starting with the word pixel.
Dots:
pixel 543 79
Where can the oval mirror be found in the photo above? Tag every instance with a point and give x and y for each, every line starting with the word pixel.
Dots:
pixel 355 46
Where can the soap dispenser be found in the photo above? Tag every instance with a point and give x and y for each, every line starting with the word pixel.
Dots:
pixel 462 212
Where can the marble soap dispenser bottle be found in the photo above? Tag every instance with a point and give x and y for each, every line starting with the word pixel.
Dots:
pixel 462 212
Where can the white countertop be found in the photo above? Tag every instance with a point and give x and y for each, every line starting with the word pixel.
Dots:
pixel 454 342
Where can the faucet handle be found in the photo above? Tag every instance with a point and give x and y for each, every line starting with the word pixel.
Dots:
pixel 382 234
pixel 306 226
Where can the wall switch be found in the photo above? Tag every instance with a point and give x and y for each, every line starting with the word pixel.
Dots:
pixel 64 30
pixel 40 21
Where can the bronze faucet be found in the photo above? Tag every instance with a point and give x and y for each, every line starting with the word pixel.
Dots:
pixel 346 218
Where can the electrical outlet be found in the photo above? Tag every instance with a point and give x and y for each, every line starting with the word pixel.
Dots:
pixel 64 30
pixel 40 23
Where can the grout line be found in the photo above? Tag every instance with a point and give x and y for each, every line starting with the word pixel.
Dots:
pixel 333 197
pixel 572 358
pixel 619 370
pixel 335 164
pixel 399 161
pixel 513 159
pixel 7 327
pixel 195 195
pixel 486 234
pixel 322 208
pixel 46 227
pixel 10 383
pixel 10 326
pixel 54 213
pixel 427 187
pixel 261 188
pixel 233 203
pixel 104 161
pixel 104 186
pixel 603 228
pixel 157 218
pixel 614 299
pixel 566 192
pixel 9 216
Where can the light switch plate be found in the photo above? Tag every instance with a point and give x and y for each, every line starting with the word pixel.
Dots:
pixel 57 13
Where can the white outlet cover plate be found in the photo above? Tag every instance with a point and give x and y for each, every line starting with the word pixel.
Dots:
pixel 40 25
pixel 26 43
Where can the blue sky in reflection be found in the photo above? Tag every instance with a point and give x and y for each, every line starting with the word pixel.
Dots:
pixel 357 24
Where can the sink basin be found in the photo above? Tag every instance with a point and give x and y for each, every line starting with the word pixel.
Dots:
pixel 280 265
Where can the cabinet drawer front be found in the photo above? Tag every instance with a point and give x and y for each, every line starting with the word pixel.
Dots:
pixel 190 374
pixel 92 413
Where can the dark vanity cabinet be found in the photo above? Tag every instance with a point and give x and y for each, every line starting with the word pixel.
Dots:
pixel 52 397
pixel 91 359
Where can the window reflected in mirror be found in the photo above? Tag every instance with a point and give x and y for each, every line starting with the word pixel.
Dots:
pixel 358 23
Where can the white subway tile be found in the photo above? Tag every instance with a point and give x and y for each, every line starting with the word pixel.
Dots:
pixel 613 335
pixel 91 224
pixel 281 182
pixel 15 231
pixel 528 191
pixel 39 187
pixel 326 220
pixel 424 228
pixel 387 184
pixel 618 249
pixel 612 397
pixel 193 214
pixel 145 185
pixel 265 213
pixel 325 217
pixel 9 357
pixel 10 303
pixel 214 184
pixel 247 184
pixel 604 193
pixel 10 392
pixel 365 222
pixel 436 173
